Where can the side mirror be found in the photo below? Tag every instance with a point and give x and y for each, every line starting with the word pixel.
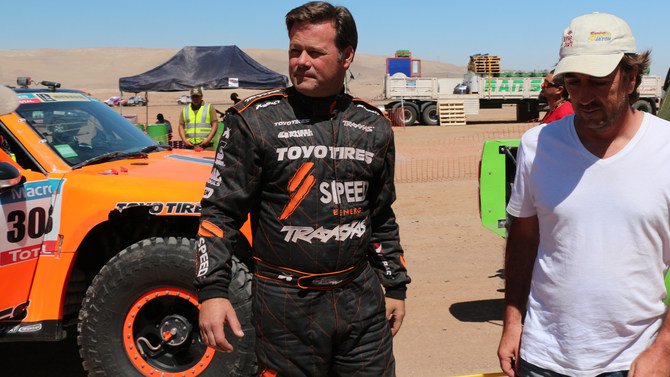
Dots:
pixel 9 175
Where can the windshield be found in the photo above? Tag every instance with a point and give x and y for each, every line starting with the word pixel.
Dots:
pixel 82 130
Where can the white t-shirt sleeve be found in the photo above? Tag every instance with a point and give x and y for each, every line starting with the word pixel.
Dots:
pixel 521 201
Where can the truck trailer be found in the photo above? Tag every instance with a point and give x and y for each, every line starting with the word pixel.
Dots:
pixel 419 98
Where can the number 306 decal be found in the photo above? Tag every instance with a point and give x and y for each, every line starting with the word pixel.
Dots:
pixel 27 215
pixel 36 224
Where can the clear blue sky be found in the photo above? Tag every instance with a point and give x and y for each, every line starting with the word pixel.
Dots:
pixel 525 34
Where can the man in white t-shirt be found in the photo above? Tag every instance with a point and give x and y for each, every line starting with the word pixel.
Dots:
pixel 589 240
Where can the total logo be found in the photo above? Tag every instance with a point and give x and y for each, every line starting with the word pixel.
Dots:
pixel 19 255
pixel 308 234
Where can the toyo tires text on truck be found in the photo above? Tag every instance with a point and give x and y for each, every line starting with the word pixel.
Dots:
pixel 140 316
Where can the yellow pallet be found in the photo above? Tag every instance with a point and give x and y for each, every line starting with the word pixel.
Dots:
pixel 485 62
pixel 485 57
pixel 484 69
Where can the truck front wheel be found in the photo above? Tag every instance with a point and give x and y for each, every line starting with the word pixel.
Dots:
pixel 140 316
pixel 409 111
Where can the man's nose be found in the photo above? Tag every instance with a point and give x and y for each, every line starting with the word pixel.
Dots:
pixel 303 59
pixel 582 94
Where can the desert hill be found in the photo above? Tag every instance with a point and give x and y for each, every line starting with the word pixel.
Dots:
pixel 99 69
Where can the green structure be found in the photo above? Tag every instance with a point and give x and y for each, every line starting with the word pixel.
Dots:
pixel 496 177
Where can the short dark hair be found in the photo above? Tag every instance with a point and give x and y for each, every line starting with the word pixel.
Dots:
pixel 319 11
pixel 560 81
pixel 642 62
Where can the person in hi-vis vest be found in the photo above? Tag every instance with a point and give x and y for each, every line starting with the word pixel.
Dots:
pixel 197 122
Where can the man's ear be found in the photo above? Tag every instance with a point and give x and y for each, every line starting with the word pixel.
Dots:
pixel 630 80
pixel 347 56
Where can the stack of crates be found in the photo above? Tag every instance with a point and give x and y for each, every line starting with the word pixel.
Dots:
pixel 484 64
pixel 451 113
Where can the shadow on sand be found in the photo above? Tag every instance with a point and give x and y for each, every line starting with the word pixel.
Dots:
pixel 478 311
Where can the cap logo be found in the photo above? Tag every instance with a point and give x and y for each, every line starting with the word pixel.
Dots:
pixel 600 36
pixel 567 39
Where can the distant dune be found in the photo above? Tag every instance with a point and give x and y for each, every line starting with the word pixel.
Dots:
pixel 99 69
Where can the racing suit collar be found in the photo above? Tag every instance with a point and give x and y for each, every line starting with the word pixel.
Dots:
pixel 320 106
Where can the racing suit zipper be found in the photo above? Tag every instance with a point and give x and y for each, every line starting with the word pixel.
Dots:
pixel 334 121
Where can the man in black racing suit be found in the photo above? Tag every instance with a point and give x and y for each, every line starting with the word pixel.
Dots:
pixel 315 170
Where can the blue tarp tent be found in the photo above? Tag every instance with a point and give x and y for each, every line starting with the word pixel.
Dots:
pixel 210 67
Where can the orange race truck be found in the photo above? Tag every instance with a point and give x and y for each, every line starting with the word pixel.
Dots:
pixel 97 240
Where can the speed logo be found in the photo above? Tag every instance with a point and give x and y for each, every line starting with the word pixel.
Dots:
pixel 335 192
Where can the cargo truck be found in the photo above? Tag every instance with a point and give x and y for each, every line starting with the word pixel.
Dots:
pixel 419 98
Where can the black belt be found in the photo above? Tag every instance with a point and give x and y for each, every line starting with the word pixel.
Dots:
pixel 306 280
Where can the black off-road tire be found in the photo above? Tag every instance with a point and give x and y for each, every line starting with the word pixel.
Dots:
pixel 144 287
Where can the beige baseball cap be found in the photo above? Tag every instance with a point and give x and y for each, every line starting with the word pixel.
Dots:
pixel 8 100
pixel 196 91
pixel 594 44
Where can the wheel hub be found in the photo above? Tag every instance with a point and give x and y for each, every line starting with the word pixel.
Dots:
pixel 175 330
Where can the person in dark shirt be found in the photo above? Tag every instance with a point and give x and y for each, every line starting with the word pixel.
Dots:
pixel 161 120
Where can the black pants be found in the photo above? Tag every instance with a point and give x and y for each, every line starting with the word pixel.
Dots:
pixel 527 369
pixel 338 332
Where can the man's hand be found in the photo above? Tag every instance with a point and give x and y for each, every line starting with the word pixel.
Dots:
pixel 508 350
pixel 654 361
pixel 395 312
pixel 214 313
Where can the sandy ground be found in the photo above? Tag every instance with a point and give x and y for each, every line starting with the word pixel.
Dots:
pixel 454 303
pixel 455 300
